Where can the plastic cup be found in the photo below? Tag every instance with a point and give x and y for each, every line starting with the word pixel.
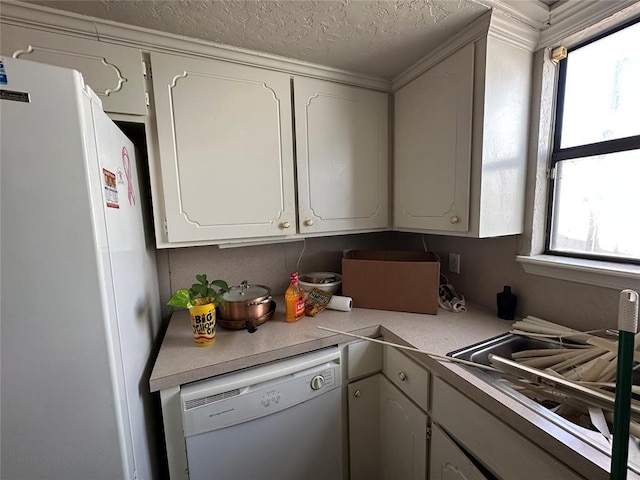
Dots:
pixel 203 322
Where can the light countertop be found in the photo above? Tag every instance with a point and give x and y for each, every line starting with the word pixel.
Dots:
pixel 179 361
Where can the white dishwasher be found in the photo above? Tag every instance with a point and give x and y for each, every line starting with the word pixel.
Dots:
pixel 279 421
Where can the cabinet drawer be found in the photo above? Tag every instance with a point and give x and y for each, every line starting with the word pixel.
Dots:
pixel 407 375
pixel 502 450
pixel 363 358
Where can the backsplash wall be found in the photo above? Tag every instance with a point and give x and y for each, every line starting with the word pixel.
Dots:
pixel 266 264
pixel 486 266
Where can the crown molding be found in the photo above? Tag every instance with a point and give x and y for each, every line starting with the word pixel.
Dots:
pixel 527 24
pixel 532 13
pixel 43 18
pixel 34 16
pixel 153 41
pixel 493 23
pixel 513 32
pixel 472 32
pixel 575 16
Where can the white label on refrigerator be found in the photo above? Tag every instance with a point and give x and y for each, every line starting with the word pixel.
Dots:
pixel 3 73
pixel 110 189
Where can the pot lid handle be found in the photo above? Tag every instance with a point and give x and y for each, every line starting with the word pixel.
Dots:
pixel 244 285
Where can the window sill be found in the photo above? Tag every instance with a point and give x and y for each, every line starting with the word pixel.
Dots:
pixel 603 274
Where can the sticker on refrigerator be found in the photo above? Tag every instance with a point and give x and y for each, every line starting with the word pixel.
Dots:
pixel 3 73
pixel 110 189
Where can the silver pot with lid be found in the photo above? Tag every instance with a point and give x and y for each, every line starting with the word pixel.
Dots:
pixel 244 303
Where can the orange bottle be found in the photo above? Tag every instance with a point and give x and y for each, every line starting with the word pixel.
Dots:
pixel 294 300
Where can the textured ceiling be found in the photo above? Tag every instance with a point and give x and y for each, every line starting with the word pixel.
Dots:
pixel 380 38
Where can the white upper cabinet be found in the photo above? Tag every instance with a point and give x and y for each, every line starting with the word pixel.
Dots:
pixel 226 149
pixel 433 146
pixel 461 130
pixel 342 157
pixel 227 171
pixel 114 72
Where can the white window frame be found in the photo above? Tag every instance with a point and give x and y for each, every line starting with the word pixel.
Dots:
pixel 573 27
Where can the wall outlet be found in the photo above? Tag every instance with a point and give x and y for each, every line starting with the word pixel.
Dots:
pixel 454 262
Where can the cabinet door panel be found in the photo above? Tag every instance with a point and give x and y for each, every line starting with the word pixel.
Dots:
pixel 433 146
pixel 364 428
pixel 447 461
pixel 342 155
pixel 113 72
pixel 403 434
pixel 226 152
pixel 497 446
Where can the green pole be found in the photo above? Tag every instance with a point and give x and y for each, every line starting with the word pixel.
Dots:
pixel 627 327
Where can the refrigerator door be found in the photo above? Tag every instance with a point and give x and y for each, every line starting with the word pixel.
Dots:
pixel 100 183
pixel 131 275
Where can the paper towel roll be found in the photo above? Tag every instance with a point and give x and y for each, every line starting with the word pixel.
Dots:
pixel 344 304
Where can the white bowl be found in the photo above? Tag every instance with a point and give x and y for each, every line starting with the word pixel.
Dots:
pixel 309 281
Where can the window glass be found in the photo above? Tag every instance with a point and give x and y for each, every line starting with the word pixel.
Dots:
pixel 602 90
pixel 595 186
pixel 598 205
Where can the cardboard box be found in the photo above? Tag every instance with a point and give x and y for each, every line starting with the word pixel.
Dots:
pixel 403 281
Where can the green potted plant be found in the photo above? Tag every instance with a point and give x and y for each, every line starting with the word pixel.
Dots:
pixel 200 293
pixel 201 300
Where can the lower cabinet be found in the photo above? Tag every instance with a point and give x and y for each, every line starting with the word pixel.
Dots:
pixel 490 442
pixel 403 434
pixel 364 428
pixel 388 421
pixel 406 423
pixel 387 432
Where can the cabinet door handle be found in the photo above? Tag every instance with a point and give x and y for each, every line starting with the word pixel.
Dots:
pixel 286 224
pixel 454 219
pixel 402 376
pixel 357 394
pixel 308 222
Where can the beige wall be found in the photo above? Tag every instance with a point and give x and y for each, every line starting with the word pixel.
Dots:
pixel 489 264
pixel 486 266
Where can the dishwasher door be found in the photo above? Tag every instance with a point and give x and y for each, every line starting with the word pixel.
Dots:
pixel 275 422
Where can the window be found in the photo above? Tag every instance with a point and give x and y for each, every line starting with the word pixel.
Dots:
pixel 595 185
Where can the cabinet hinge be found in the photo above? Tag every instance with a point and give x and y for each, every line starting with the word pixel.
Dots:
pixel 428 432
pixel 551 174
pixel 146 70
pixel 146 99
pixel 166 227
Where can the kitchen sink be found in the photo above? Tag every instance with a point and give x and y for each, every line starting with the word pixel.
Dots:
pixel 507 344
pixel 504 346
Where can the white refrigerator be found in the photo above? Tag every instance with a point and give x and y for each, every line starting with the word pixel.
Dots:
pixel 79 305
